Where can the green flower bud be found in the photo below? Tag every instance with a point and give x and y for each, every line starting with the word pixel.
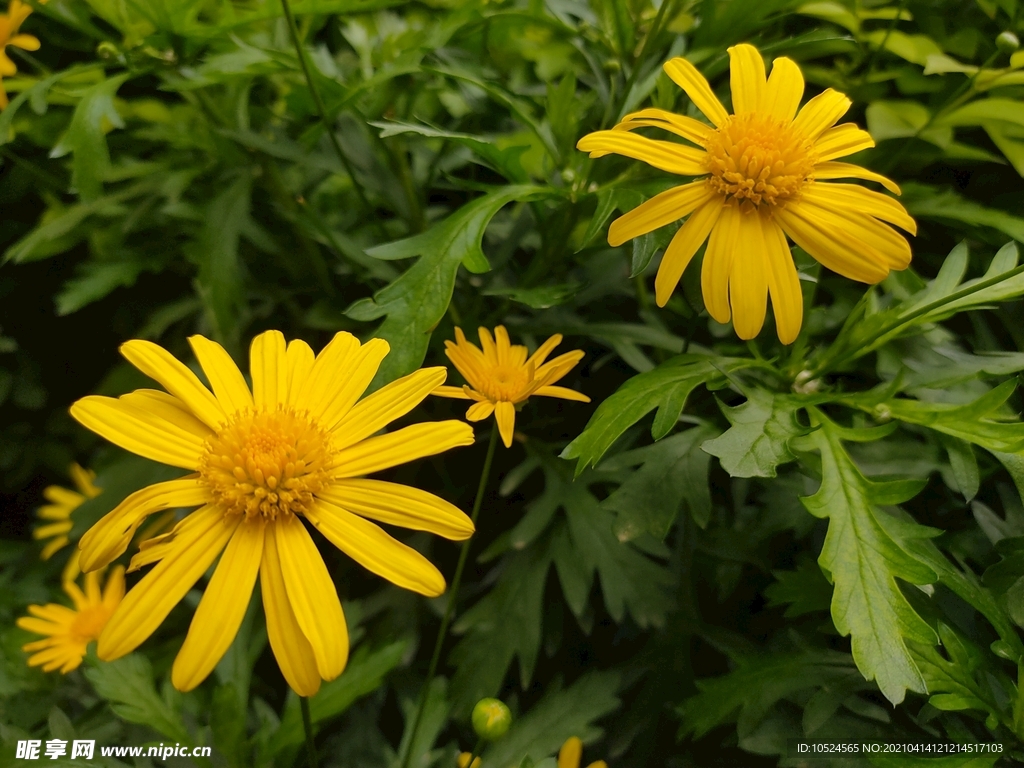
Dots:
pixel 1007 42
pixel 107 50
pixel 491 719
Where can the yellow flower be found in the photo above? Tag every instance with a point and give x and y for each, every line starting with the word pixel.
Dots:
pixel 10 22
pixel 297 446
pixel 463 760
pixel 63 501
pixel 69 631
pixel 500 376
pixel 762 167
pixel 571 753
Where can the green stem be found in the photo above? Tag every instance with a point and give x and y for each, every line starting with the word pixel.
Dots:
pixel 307 723
pixel 476 752
pixel 321 110
pixel 642 56
pixel 453 593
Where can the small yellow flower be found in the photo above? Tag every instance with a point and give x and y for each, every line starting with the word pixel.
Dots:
pixel 463 760
pixel 63 501
pixel 297 446
pixel 69 631
pixel 10 23
pixel 762 168
pixel 500 376
pixel 571 753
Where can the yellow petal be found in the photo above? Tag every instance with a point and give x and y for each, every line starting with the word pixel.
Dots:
pixel 390 402
pixel 784 90
pixel 138 431
pixel 160 365
pixel 849 171
pixel 848 258
pixel 783 282
pixel 683 246
pixel 537 358
pixel 746 78
pixel 401 505
pixel 502 344
pixel 570 754
pixel 454 392
pixel 671 205
pixel 25 42
pixel 564 393
pixel 109 538
pixel 227 381
pixel 841 141
pixel 300 360
pixel 555 369
pixel 148 603
pixel 680 125
pixel 480 411
pixel 340 375
pixel 686 76
pixel 821 113
pixel 169 408
pixel 52 529
pixel 861 231
pixel 54 546
pixel 376 551
pixel 505 415
pixel 269 370
pixel 402 446
pixel 748 283
pixel 312 596
pixel 222 608
pixel 851 197
pixel 718 260
pixel 663 155
pixel 292 650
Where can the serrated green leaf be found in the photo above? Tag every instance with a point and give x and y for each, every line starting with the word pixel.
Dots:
pixel 86 137
pixel 609 200
pixel 559 715
pixel 758 440
pixel 665 388
pixel 94 281
pixel 748 693
pixel 418 299
pixel 541 297
pixel 866 551
pixel 805 590
pixel 674 471
pixel 127 685
pixel 364 673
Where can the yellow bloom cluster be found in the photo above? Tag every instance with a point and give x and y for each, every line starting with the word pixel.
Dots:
pixel 10 24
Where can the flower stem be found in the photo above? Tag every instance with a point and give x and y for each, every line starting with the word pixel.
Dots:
pixel 476 752
pixel 318 101
pixel 453 594
pixel 307 724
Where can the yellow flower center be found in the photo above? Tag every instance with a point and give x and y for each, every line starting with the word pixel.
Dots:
pixel 89 622
pixel 759 158
pixel 267 463
pixel 506 382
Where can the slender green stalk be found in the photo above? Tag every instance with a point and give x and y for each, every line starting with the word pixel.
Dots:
pixel 453 594
pixel 641 58
pixel 476 752
pixel 307 724
pixel 319 103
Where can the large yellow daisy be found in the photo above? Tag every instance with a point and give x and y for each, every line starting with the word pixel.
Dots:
pixel 10 24
pixel 762 168
pixel 295 447
pixel 501 376
pixel 68 631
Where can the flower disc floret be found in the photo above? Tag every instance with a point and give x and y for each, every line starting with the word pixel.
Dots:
pixel 267 463
pixel 759 158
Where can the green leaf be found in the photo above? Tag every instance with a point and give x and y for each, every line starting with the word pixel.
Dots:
pixel 895 119
pixel 673 471
pixel 504 161
pixel 982 111
pixel 220 283
pixel 418 299
pixel 805 590
pixel 541 297
pixel 364 674
pixel 929 202
pixel 94 281
pixel 1009 137
pixel 609 200
pixel 758 440
pixel 972 422
pixel 127 685
pixel 866 551
pixel 86 137
pixel 559 715
pixel 503 625
pixel 914 48
pixel 749 692
pixel 964 464
pixel 665 388
pixel 435 716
